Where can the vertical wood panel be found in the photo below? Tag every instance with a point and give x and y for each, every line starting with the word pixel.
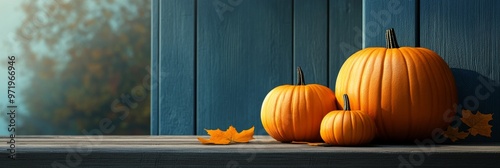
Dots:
pixel 345 33
pixel 380 15
pixel 154 67
pixel 310 40
pixel 244 50
pixel 176 75
pixel 466 34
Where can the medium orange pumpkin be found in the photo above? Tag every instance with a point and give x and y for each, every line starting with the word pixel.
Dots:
pixel 346 127
pixel 408 91
pixel 294 112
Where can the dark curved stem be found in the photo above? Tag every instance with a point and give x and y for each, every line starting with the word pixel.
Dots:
pixel 346 103
pixel 300 77
pixel 390 39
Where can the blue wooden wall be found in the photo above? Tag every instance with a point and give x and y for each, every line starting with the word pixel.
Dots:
pixel 215 60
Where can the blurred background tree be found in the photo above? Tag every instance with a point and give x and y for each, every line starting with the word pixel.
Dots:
pixel 82 55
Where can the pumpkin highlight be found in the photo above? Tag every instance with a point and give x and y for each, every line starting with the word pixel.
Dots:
pixel 294 112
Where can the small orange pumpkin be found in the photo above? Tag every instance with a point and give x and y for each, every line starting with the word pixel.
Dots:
pixel 346 127
pixel 294 112
pixel 408 91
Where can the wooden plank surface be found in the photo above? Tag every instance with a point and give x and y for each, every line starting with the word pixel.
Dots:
pixel 380 15
pixel 310 40
pixel 176 65
pixel 345 33
pixel 467 35
pixel 186 151
pixel 244 49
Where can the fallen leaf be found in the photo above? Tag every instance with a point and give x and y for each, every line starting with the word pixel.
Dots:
pixel 216 137
pixel 318 144
pixel 454 135
pixel 299 142
pixel 242 137
pixel 478 122
pixel 220 137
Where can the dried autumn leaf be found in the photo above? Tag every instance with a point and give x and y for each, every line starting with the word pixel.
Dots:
pixel 220 137
pixel 454 135
pixel 217 141
pixel 478 122
pixel 216 137
pixel 318 144
pixel 242 137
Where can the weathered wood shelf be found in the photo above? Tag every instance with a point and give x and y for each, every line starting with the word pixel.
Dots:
pixel 186 151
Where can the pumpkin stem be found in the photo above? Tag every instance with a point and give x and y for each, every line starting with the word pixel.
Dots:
pixel 300 77
pixel 346 103
pixel 390 39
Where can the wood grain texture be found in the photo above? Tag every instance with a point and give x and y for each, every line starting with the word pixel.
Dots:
pixel 345 33
pixel 263 151
pixel 310 40
pixel 155 57
pixel 380 15
pixel 242 53
pixel 176 65
pixel 466 34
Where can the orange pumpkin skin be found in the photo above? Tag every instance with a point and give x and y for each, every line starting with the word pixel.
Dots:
pixel 347 128
pixel 408 91
pixel 294 112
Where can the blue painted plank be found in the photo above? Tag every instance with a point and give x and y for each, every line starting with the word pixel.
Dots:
pixel 380 15
pixel 345 33
pixel 176 64
pixel 310 40
pixel 154 122
pixel 244 49
pixel 466 34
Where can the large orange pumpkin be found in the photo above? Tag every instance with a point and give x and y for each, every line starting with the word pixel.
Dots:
pixel 294 112
pixel 347 127
pixel 408 91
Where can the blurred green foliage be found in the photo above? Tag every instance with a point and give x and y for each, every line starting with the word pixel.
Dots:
pixel 82 56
